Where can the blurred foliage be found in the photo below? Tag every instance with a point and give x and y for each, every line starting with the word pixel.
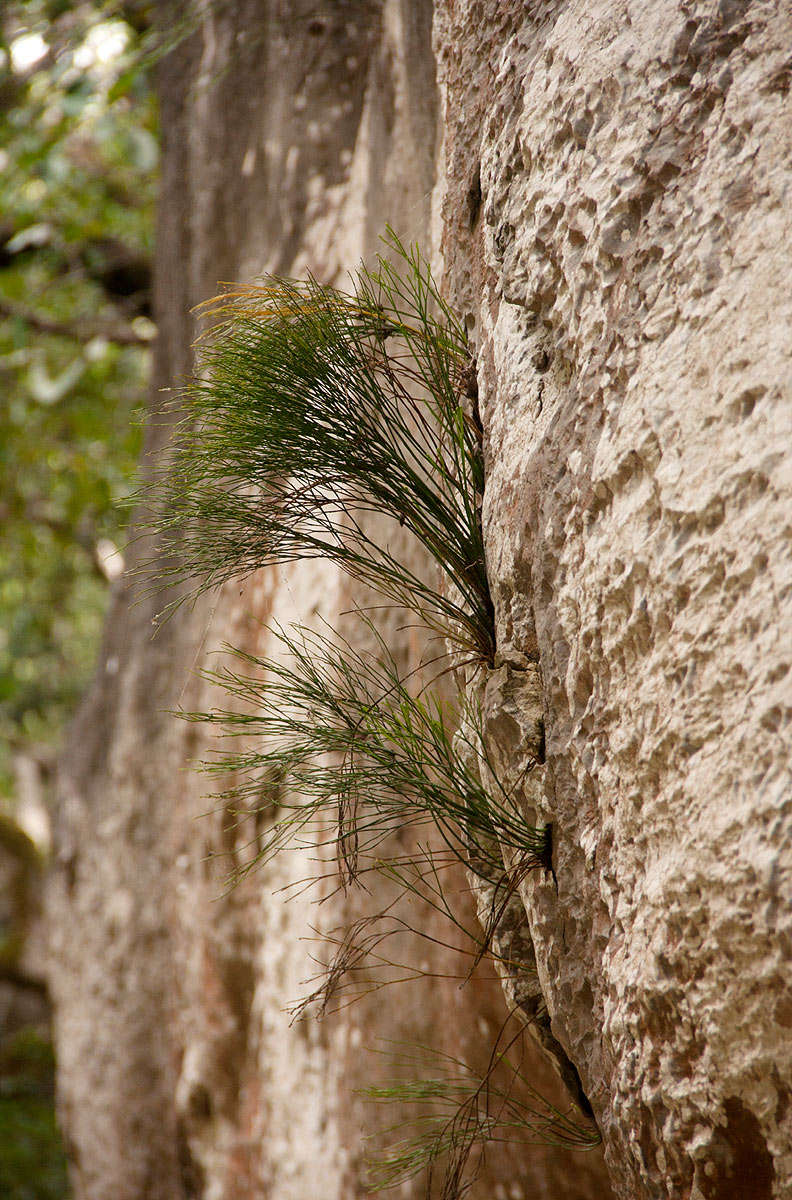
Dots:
pixel 32 1159
pixel 78 171
pixel 78 174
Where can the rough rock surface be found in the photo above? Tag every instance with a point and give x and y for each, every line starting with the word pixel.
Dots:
pixel 616 227
pixel 292 133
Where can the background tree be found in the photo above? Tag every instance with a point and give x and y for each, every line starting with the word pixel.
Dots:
pixel 78 165
pixel 79 152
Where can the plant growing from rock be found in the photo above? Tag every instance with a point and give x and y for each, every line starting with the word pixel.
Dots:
pixel 343 728
pixel 462 1111
pixel 311 410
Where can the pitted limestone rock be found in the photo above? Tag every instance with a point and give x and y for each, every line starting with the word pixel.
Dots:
pixel 513 725
pixel 627 280
pixel 513 729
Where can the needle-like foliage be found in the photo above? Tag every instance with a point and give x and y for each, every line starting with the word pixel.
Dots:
pixel 313 408
pixel 362 963
pixel 458 1112
pixel 342 732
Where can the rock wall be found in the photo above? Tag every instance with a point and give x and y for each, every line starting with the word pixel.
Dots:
pixel 616 228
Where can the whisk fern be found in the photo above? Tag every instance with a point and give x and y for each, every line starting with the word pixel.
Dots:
pixel 345 735
pixel 459 1112
pixel 313 408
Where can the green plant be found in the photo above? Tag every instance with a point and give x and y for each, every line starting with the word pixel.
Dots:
pixel 32 1158
pixel 79 172
pixel 341 729
pixel 361 961
pixel 313 408
pixel 458 1112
